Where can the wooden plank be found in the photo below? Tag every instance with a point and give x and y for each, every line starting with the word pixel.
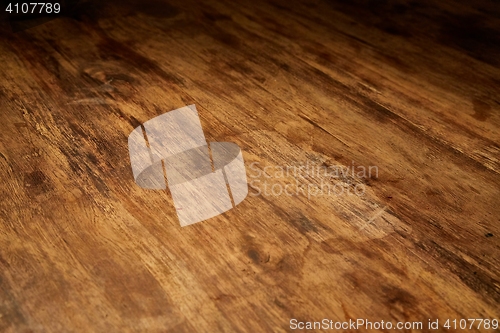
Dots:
pixel 409 89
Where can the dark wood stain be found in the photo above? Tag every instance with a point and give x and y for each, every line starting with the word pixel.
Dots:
pixel 482 110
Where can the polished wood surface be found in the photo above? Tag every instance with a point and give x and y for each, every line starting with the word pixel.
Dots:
pixel 409 87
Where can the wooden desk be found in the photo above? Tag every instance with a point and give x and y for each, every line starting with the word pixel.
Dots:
pixel 411 88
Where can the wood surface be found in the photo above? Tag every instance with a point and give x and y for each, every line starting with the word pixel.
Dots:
pixel 412 88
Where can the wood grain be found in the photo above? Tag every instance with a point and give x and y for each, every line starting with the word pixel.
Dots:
pixel 409 87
